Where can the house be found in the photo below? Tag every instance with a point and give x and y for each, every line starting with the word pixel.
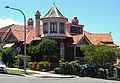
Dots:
pixel 71 35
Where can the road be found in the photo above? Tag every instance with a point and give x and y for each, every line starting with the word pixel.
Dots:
pixel 19 79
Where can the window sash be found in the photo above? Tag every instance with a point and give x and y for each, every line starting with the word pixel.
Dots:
pixel 61 28
pixel 45 27
pixel 53 27
pixel 62 49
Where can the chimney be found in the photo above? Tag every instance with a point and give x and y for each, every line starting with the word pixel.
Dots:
pixel 30 24
pixel 37 29
pixel 75 21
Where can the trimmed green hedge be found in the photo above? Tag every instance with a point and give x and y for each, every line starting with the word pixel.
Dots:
pixel 68 68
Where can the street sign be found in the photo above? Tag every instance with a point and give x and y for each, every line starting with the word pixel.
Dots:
pixel 18 49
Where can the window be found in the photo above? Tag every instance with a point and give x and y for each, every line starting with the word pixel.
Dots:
pixel 61 28
pixel 75 30
pixel 79 53
pixel 45 27
pixel 53 27
pixel 62 50
pixel 0 39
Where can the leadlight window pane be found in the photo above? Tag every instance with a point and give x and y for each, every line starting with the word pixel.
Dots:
pixel 53 27
pixel 75 30
pixel 0 39
pixel 45 27
pixel 61 28
pixel 62 50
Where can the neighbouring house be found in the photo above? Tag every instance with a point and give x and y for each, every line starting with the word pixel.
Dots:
pixel 70 35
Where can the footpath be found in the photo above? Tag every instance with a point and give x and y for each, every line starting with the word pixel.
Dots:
pixel 41 74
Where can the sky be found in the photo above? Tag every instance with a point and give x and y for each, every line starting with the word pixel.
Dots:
pixel 98 16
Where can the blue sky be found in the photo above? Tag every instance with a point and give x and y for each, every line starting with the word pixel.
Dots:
pixel 98 16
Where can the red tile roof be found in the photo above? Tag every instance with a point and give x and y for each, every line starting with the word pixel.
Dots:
pixel 31 36
pixel 93 38
pixel 103 37
pixel 5 29
pixel 19 34
pixel 18 31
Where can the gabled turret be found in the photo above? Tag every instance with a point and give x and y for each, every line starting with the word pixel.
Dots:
pixel 54 23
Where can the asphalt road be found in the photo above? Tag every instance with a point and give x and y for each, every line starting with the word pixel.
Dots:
pixel 19 79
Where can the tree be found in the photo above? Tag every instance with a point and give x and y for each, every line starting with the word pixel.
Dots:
pixel 49 48
pixel 7 56
pixel 99 54
pixel 19 62
pixel 118 53
pixel 0 55
pixel 34 52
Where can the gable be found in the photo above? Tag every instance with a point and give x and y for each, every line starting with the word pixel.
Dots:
pixel 83 41
pixel 10 37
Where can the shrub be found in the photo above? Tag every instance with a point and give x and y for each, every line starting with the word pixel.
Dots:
pixel 76 66
pixel 64 68
pixel 91 71
pixel 34 65
pixel 101 72
pixel 44 65
pixel 53 65
pixel 118 69
pixel 59 70
pixel 21 58
pixel 39 66
pixel 30 65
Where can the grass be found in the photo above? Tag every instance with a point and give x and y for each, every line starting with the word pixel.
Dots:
pixel 16 72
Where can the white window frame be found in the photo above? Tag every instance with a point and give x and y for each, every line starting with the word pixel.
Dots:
pixel 62 50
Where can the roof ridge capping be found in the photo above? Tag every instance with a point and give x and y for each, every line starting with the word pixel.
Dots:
pixel 7 26
pixel 101 33
pixel 88 32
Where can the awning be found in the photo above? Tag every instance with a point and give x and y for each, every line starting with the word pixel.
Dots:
pixel 8 45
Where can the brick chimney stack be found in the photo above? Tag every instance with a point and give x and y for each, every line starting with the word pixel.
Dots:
pixel 37 31
pixel 30 24
pixel 75 21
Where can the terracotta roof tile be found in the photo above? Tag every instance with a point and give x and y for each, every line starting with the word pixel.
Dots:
pixel 103 37
pixel 19 34
pixel 31 36
pixel 5 29
pixel 18 31
pixel 76 38
pixel 93 38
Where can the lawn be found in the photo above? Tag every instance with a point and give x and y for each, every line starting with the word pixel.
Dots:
pixel 16 72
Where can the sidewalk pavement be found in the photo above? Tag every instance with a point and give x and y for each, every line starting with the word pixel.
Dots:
pixel 41 74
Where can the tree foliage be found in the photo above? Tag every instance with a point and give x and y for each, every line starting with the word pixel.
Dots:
pixel 99 54
pixel 43 49
pixel 49 48
pixel 118 53
pixel 34 52
pixel 7 56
